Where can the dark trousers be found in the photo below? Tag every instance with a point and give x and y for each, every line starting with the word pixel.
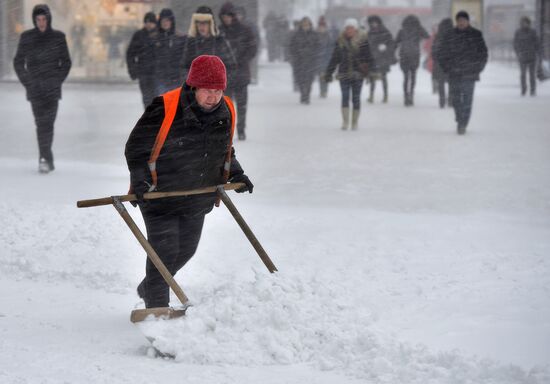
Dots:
pixel 304 84
pixel 443 98
pixel 175 238
pixel 45 112
pixel 524 66
pixel 384 78
pixel 352 87
pixel 409 82
pixel 147 88
pixel 323 84
pixel 462 93
pixel 239 95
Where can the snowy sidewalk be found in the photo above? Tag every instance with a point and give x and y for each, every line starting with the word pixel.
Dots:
pixel 404 250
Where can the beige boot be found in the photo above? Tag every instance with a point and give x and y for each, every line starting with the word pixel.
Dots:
pixel 354 119
pixel 345 118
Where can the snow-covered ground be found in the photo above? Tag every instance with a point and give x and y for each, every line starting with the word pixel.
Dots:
pixel 406 254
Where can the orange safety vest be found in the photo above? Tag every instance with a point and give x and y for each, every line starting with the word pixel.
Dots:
pixel 171 99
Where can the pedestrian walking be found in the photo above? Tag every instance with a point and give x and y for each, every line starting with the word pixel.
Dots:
pixel 408 40
pixel 527 48
pixel 304 53
pixel 196 152
pixel 140 57
pixel 245 46
pixel 42 63
pixel 326 45
pixel 462 55
pixel 382 47
pixel 441 78
pixel 169 47
pixel 352 56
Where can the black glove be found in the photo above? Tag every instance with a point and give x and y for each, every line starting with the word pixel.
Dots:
pixel 139 191
pixel 242 178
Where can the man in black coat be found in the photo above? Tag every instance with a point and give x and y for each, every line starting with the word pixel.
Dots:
pixel 304 52
pixel 193 156
pixel 527 47
pixel 42 63
pixel 462 56
pixel 382 47
pixel 203 38
pixel 140 57
pixel 245 46
pixel 169 47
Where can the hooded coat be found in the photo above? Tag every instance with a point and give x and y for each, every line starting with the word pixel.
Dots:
pixel 352 57
pixel 305 50
pixel 408 40
pixel 382 46
pixel 169 47
pixel 140 56
pixel 243 41
pixel 445 27
pixel 526 45
pixel 42 61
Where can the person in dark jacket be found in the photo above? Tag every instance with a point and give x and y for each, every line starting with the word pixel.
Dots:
pixel 445 27
pixel 352 57
pixel 203 38
pixel 192 157
pixel 326 44
pixel 462 56
pixel 245 46
pixel 304 51
pixel 140 57
pixel 382 47
pixel 42 63
pixel 408 40
pixel 169 47
pixel 527 48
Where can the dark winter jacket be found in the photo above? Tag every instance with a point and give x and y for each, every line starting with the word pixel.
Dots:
pixel 42 60
pixel 382 47
pixel 526 45
pixel 304 52
pixel 169 47
pixel 192 156
pixel 352 57
pixel 244 44
pixel 140 56
pixel 326 45
pixel 463 54
pixel 445 27
pixel 408 40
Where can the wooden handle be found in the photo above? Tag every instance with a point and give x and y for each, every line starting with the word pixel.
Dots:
pixel 155 195
pixel 151 253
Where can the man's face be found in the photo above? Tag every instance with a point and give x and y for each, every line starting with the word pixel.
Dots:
pixel 227 19
pixel 208 98
pixel 41 23
pixel 166 24
pixel 204 28
pixel 462 23
pixel 150 26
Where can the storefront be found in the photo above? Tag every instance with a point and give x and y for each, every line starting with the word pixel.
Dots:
pixel 98 33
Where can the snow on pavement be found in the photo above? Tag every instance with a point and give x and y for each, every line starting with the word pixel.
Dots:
pixel 406 253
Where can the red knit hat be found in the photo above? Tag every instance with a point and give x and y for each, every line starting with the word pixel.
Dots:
pixel 207 72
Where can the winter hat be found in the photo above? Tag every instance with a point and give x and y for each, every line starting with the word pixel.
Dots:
pixel 227 9
pixel 351 22
pixel 150 17
pixel 204 9
pixel 374 19
pixel 207 71
pixel 462 15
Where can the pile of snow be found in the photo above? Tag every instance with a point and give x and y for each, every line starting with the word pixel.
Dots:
pixel 288 319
